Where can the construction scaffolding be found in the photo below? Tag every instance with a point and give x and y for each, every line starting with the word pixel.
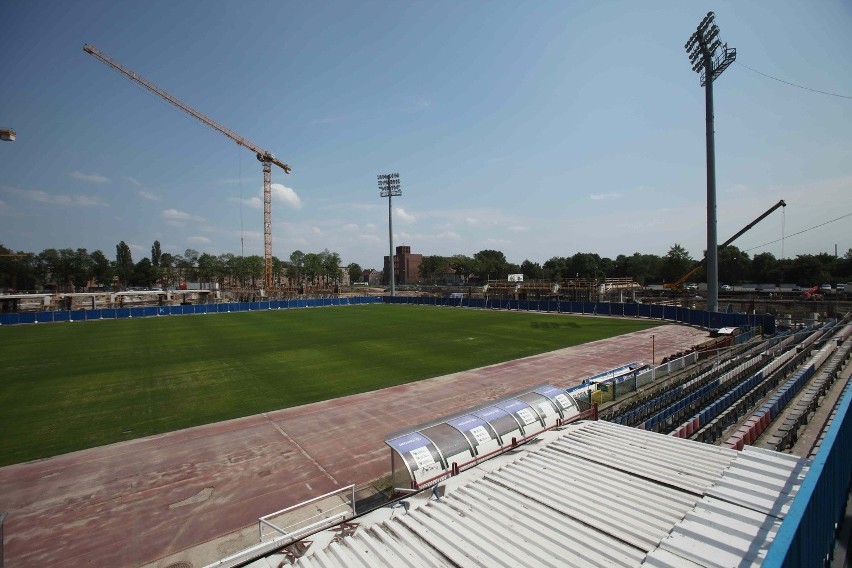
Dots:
pixel 572 289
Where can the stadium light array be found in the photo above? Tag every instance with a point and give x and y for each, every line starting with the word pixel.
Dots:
pixel 390 187
pixel 710 58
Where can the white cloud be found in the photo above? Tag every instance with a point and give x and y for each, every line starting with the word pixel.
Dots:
pixel 80 201
pixel 287 195
pixel 175 215
pixel 133 181
pixel 370 226
pixel 316 230
pixel 405 216
pixel 603 196
pixel 199 240
pixel 3 206
pixel 471 221
pixel 518 229
pixel 253 202
pixel 370 238
pixel 350 228
pixel 150 196
pixel 279 193
pixel 449 235
pixel 91 178
pixel 65 200
pixel 737 188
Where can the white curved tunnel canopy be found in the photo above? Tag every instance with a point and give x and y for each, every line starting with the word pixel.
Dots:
pixel 430 452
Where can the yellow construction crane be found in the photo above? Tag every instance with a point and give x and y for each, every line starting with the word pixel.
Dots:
pixel 265 157
pixel 677 285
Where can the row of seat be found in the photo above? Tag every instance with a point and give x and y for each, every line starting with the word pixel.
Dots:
pixel 787 434
pixel 756 424
pixel 735 403
pixel 687 406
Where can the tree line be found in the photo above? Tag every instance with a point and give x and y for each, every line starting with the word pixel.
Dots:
pixel 735 267
pixel 74 269
pixel 67 270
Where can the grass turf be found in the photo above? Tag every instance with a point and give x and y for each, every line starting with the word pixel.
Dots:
pixel 67 387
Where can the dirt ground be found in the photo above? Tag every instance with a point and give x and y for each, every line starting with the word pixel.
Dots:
pixel 153 500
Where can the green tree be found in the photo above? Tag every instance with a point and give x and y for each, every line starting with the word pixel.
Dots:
pixel 642 268
pixel 144 273
pixel 47 263
pixel 185 268
pixel 676 263
pixel 490 265
pixel 82 268
pixel 101 268
pixel 156 254
pixel 558 268
pixel 846 268
pixel 311 267
pixel 254 269
pixel 330 266
pixel 166 270
pixel 238 269
pixel 433 267
pixel 463 265
pixel 190 264
pixel 208 268
pixel 588 265
pixel 532 270
pixel 123 263
pixel 355 272
pixel 734 265
pixel 295 271
pixel 279 270
pixel 764 267
pixel 17 270
pixel 814 268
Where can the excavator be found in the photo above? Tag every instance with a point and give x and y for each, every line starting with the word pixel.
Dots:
pixel 677 285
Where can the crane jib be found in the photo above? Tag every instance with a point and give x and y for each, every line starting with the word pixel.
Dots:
pixel 265 157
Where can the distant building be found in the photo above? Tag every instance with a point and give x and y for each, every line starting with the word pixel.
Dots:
pixel 371 276
pixel 406 266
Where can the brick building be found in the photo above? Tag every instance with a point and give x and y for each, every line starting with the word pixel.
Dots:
pixel 406 266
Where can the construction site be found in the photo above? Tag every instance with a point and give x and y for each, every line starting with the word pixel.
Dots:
pixel 717 435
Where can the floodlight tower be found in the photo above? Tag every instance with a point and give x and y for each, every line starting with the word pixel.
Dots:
pixel 710 58
pixel 388 187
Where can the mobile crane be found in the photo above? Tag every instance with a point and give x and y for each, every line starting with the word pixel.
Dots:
pixel 677 285
pixel 266 158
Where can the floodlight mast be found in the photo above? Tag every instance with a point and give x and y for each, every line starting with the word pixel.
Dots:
pixel 388 187
pixel 710 58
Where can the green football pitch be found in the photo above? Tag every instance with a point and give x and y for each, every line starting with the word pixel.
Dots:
pixel 70 386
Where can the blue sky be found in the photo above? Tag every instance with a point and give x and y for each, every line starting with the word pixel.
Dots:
pixel 539 129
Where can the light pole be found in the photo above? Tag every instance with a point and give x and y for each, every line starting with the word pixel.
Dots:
pixel 388 187
pixel 710 58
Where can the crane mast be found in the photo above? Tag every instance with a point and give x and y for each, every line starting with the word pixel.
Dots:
pixel 266 158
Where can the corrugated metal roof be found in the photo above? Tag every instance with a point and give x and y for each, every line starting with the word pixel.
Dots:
pixel 593 494
pixel 736 520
